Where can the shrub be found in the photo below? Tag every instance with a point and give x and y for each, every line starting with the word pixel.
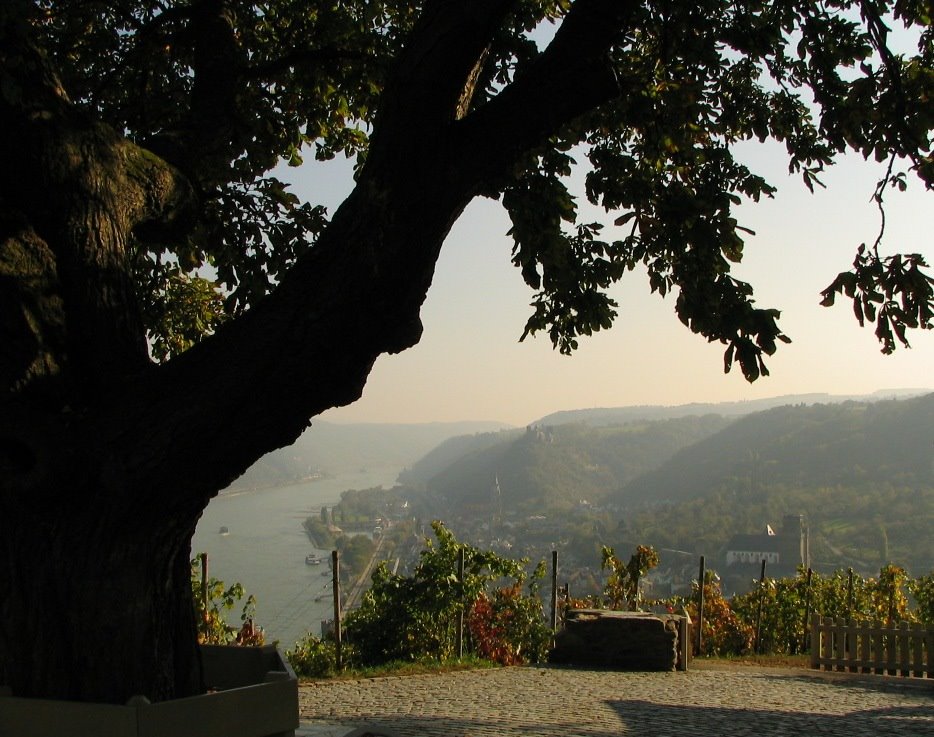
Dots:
pixel 312 657
pixel 508 627
pixel 831 595
pixel 887 595
pixel 622 586
pixel 210 603
pixel 784 601
pixel 922 589
pixel 723 632
pixel 411 618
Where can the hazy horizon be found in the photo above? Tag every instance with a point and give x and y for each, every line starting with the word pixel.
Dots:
pixel 339 416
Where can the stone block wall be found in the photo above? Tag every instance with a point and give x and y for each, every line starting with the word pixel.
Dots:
pixel 622 640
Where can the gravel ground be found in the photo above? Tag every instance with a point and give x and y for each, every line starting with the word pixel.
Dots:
pixel 572 702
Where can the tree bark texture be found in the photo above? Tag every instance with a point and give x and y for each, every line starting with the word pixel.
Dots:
pixel 106 460
pixel 97 606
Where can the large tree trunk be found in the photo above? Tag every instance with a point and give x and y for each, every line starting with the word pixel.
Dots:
pixel 97 606
pixel 98 502
pixel 95 598
pixel 106 461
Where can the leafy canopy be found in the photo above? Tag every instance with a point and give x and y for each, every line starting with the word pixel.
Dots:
pixel 227 89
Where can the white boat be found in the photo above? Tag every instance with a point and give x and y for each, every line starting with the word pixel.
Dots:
pixel 312 560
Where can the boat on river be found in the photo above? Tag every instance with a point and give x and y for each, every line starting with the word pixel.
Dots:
pixel 312 559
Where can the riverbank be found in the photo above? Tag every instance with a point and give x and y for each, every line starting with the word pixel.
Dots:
pixel 266 547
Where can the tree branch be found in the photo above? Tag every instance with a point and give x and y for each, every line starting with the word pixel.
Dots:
pixel 302 57
pixel 311 344
pixel 427 89
pixel 572 76
pixel 211 135
pixel 215 110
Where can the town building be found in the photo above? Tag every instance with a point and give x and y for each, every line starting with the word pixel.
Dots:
pixel 783 552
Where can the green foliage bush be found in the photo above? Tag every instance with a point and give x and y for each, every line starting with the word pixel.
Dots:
pixel 355 553
pixel 508 627
pixel 622 586
pixel 412 618
pixel 360 508
pixel 313 657
pixel 212 601
pixel 406 619
pixel 729 625
pixel 318 530
pixel 786 601
pixel 723 631
pixel 922 589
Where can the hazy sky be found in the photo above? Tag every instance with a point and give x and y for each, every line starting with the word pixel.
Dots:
pixel 470 365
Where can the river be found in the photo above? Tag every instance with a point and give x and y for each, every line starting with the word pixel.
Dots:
pixel 266 546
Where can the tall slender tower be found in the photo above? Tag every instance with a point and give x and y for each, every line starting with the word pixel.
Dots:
pixel 795 544
pixel 496 504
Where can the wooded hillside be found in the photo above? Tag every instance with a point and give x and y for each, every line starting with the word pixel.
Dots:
pixel 552 468
pixel 862 472
pixel 854 444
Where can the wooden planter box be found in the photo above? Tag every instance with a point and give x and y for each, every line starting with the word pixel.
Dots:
pixel 256 696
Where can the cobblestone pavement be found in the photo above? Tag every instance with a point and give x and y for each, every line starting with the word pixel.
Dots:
pixel 552 701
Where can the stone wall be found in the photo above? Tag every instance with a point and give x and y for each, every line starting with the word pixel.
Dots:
pixel 623 640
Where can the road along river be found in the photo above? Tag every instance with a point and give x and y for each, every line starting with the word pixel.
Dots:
pixel 265 546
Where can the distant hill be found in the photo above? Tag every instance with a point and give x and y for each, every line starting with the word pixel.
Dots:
pixel 555 467
pixel 334 448
pixel 619 415
pixel 848 444
pixel 863 474
pixel 453 450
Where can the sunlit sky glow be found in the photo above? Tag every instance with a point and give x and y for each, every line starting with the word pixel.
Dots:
pixel 470 365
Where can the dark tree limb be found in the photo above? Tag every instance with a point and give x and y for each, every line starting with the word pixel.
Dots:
pixel 311 344
pixel 432 80
pixel 308 58
pixel 572 76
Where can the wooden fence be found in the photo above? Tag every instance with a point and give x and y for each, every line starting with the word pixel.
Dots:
pixel 872 647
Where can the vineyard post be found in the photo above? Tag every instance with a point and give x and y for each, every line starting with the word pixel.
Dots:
pixel 849 593
pixel 700 605
pixel 460 609
pixel 336 587
pixel 849 606
pixel 204 595
pixel 554 591
pixel 759 609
